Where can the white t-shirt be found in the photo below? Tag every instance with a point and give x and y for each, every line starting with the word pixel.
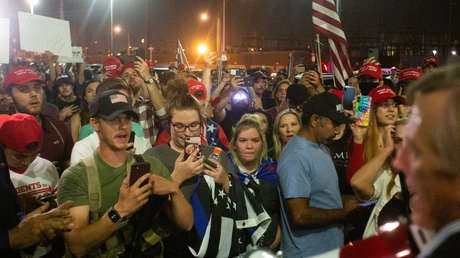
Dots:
pixel 380 194
pixel 39 179
pixel 85 148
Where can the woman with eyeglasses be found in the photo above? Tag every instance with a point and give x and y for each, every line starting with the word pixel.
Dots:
pixel 218 199
pixel 256 171
pixel 375 179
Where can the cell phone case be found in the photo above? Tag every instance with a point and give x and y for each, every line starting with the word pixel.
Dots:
pixel 138 169
pixel 191 143
pixel 362 111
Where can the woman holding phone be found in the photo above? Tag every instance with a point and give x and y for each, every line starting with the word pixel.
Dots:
pixel 369 168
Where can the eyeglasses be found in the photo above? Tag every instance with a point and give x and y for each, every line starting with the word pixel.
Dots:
pixel 180 127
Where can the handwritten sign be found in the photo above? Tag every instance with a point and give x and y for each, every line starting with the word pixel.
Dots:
pixel 77 56
pixel 4 41
pixel 39 34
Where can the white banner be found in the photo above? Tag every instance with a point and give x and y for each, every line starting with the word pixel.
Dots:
pixel 39 34
pixel 77 56
pixel 4 41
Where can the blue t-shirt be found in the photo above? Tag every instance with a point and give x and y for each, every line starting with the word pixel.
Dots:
pixel 305 170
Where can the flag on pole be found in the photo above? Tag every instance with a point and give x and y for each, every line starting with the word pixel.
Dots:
pixel 327 22
pixel 181 58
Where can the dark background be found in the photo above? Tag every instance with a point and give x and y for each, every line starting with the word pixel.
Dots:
pixel 403 31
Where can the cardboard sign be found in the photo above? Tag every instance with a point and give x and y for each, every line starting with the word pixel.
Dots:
pixel 4 41
pixel 39 34
pixel 77 56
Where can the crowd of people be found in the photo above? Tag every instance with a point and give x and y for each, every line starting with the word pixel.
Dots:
pixel 128 162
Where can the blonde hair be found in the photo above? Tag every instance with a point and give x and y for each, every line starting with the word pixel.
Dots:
pixel 248 121
pixel 277 145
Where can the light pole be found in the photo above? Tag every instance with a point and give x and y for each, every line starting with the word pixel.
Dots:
pixel 111 27
pixel 32 3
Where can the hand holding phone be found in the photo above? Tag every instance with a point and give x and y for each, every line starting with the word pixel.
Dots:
pixel 138 169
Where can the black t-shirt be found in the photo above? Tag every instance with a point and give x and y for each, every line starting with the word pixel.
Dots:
pixel 339 154
pixel 9 216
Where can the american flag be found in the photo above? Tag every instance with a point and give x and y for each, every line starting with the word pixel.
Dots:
pixel 327 22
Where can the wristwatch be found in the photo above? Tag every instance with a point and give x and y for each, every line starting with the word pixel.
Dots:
pixel 115 216
pixel 149 81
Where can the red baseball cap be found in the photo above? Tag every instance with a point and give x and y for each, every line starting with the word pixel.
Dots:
pixel 372 70
pixel 384 93
pixel 20 75
pixel 197 89
pixel 429 60
pixel 410 74
pixel 21 133
pixel 113 66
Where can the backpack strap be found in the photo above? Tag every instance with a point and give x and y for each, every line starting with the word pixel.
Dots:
pixel 94 187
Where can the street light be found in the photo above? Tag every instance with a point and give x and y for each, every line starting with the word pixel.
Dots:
pixel 454 52
pixel 32 3
pixel 204 16
pixel 202 48
pixel 117 29
pixel 434 52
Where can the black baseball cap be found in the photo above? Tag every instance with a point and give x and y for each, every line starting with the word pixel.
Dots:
pixel 328 105
pixel 63 79
pixel 109 104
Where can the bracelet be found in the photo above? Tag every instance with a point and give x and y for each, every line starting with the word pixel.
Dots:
pixel 161 112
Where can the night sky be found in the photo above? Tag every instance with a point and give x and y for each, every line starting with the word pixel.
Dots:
pixel 170 20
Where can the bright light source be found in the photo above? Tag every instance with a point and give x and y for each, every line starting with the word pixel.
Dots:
pixel 202 48
pixel 434 52
pixel 142 40
pixel 117 28
pixel 204 16
pixel 32 2
pixel 454 53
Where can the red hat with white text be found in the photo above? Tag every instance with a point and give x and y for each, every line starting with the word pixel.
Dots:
pixel 112 65
pixel 410 74
pixel 20 75
pixel 371 70
pixel 384 93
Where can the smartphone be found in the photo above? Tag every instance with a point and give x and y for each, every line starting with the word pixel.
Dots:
pixel 348 97
pixel 125 59
pixel 363 110
pixel 210 163
pixel 138 169
pixel 191 144
pixel 131 140
pixel 140 52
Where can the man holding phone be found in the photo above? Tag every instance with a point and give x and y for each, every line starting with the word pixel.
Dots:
pixel 100 224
